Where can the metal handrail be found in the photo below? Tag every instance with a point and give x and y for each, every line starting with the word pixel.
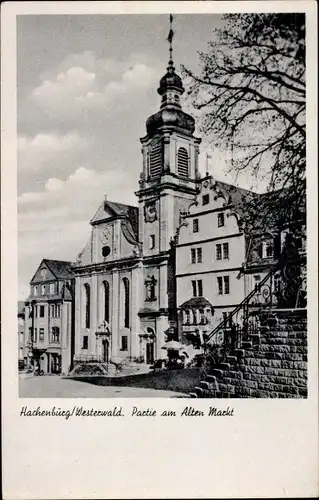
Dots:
pixel 244 302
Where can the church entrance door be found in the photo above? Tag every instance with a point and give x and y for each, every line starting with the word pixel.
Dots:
pixel 150 353
pixel 105 350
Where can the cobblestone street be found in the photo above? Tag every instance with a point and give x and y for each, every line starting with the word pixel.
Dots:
pixel 56 387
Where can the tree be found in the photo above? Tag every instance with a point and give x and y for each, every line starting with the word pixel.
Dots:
pixel 251 93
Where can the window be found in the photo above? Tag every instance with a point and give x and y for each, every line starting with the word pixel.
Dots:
pixel 30 335
pixel 87 305
pixel 35 290
pixel 202 317
pixel 269 249
pixel 226 285
pixel 106 301
pixel 220 220
pixel 155 159
pixel 106 250
pixel 124 343
pixel 57 310
pixel 35 336
pixel 196 255
pixel 152 241
pixel 41 315
pixel 205 199
pixel 52 288
pixel 85 342
pixel 225 251
pixel 150 285
pixel 43 289
pixel 182 162
pixel 197 287
pixel 222 251
pixel 223 285
pixel 41 334
pixel 195 226
pixel 126 285
pixel 35 311
pixel 55 334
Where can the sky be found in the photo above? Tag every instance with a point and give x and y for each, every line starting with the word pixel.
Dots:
pixel 86 86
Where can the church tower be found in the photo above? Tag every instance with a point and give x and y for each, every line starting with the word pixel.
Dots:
pixel 170 165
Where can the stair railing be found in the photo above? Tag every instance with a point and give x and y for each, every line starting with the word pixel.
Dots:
pixel 243 305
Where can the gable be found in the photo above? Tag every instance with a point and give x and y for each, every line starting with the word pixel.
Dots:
pixel 40 277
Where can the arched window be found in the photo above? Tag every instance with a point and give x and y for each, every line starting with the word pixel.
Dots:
pixel 182 162
pixel 106 301
pixel 87 305
pixel 126 286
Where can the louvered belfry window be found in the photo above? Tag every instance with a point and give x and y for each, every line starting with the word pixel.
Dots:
pixel 156 159
pixel 182 162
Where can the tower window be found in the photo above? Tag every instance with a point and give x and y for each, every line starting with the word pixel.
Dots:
pixel 195 226
pixel 156 160
pixel 182 162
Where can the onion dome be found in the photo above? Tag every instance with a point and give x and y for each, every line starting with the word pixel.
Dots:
pixel 170 118
pixel 170 81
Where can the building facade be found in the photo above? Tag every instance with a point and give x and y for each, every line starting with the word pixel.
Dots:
pixel 48 317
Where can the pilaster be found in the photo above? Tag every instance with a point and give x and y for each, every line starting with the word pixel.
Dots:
pixel 94 313
pixel 115 313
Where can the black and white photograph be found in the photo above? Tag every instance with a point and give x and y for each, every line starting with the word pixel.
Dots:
pixel 162 205
pixel 159 276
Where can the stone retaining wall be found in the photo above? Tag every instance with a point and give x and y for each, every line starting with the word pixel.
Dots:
pixel 272 364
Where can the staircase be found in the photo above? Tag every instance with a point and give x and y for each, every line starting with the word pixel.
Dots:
pixel 270 364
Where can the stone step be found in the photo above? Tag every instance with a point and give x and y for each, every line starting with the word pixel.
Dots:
pixel 193 395
pixel 224 366
pixel 217 373
pixel 231 359
pixel 246 344
pixel 239 353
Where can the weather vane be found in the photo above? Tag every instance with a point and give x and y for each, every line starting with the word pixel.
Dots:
pixel 170 40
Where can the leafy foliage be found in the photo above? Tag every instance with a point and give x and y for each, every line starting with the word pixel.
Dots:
pixel 252 96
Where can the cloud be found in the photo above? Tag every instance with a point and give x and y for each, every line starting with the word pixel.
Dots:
pixel 54 222
pixel 36 153
pixel 84 84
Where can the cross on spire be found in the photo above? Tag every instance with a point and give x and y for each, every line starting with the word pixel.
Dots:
pixel 170 41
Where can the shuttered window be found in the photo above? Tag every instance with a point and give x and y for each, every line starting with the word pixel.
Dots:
pixel 182 162
pixel 156 162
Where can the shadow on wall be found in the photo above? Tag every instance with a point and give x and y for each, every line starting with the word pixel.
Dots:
pixel 173 380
